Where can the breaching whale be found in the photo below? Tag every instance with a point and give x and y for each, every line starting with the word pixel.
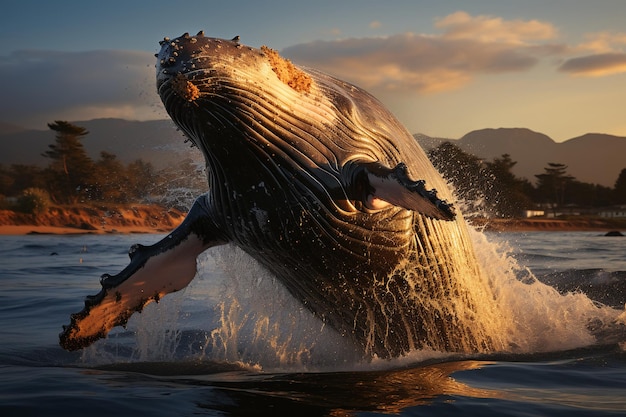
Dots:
pixel 316 180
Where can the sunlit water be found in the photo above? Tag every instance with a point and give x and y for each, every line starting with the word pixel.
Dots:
pixel 235 343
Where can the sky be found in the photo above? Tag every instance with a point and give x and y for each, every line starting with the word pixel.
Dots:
pixel 444 68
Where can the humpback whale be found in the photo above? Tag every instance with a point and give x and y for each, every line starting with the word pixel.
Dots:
pixel 315 179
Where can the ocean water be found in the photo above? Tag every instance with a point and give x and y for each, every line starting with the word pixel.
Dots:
pixel 234 343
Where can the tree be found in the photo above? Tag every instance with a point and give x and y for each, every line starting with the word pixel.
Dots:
pixel 619 191
pixel 33 201
pixel 109 179
pixel 590 195
pixel 466 172
pixel 71 170
pixel 23 177
pixel 6 181
pixel 508 194
pixel 553 184
pixel 141 179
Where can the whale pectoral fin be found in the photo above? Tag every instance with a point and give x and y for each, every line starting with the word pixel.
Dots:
pixel 393 186
pixel 154 271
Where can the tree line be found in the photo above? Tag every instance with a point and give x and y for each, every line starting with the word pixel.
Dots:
pixel 73 177
pixel 489 188
pixel 486 188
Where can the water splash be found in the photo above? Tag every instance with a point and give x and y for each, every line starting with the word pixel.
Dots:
pixel 261 323
pixel 235 311
pixel 537 317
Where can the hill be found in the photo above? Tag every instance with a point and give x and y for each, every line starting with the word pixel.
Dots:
pixel 155 141
pixel 593 158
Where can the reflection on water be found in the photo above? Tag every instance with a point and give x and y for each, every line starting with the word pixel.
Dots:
pixel 338 393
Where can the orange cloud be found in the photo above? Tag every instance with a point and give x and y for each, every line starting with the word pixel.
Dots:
pixel 603 42
pixel 417 63
pixel 597 65
pixel 608 56
pixel 461 25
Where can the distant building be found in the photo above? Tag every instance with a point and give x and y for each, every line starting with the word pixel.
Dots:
pixel 533 213
pixel 613 212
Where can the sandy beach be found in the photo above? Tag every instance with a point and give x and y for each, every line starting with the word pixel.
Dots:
pixel 157 219
pixel 53 230
pixel 92 220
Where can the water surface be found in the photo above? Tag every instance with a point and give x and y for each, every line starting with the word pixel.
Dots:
pixel 205 352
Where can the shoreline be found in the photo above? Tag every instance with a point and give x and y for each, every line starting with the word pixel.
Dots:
pixel 74 220
pixel 147 219
pixel 153 219
pixel 24 230
pixel 549 225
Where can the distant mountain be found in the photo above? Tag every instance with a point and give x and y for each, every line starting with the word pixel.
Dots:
pixel 155 141
pixel 9 128
pixel 593 158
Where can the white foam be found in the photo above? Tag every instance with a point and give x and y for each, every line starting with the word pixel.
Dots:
pixel 240 313
pixel 537 317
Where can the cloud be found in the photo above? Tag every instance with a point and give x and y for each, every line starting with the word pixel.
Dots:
pixel 608 56
pixel 596 65
pixel 424 63
pixel 603 42
pixel 461 25
pixel 375 24
pixel 41 86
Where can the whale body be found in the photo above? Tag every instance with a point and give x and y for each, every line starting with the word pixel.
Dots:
pixel 319 182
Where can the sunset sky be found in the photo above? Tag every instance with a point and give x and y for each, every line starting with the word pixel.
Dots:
pixel 443 67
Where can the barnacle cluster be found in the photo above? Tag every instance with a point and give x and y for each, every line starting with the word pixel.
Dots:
pixel 287 72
